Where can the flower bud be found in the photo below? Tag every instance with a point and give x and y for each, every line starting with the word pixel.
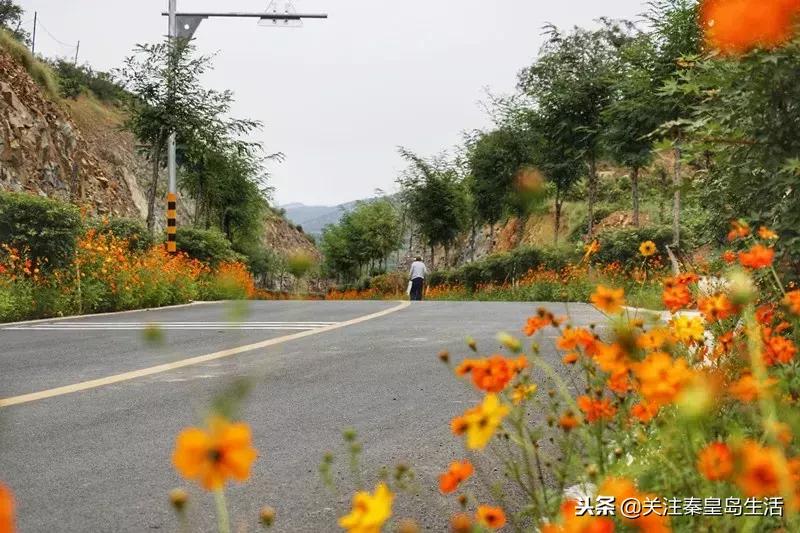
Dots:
pixel 472 344
pixel 178 498
pixel 461 523
pixel 408 525
pixel 510 342
pixel 444 356
pixel 267 516
pixel 743 291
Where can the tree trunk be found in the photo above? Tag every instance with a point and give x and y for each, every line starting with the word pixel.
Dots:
pixel 592 193
pixel 557 221
pixel 472 237
pixel 433 257
pixel 635 194
pixel 676 206
pixel 662 202
pixel 446 256
pixel 153 193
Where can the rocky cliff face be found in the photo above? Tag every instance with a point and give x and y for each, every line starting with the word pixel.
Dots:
pixel 43 151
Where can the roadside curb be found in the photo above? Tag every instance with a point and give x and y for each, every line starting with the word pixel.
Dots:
pixel 112 313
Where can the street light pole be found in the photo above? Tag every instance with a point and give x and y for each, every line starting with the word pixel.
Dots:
pixel 183 26
pixel 172 188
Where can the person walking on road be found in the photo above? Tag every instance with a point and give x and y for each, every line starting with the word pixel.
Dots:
pixel 417 274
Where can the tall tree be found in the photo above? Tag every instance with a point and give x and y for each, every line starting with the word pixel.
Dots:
pixel 571 81
pixel 436 200
pixel 676 35
pixel 494 160
pixel 164 79
pixel 629 118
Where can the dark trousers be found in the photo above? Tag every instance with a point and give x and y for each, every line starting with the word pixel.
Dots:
pixel 416 289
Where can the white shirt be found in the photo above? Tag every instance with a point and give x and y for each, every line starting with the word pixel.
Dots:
pixel 418 270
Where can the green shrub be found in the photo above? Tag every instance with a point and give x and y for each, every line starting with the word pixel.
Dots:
pixel 46 229
pixel 74 79
pixel 132 230
pixel 622 245
pixel 209 246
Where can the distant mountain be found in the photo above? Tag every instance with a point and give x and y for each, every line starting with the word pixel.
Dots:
pixel 314 218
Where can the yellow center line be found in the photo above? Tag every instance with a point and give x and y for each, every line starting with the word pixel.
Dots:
pixel 135 374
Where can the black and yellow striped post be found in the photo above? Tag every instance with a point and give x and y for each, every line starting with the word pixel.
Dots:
pixel 172 222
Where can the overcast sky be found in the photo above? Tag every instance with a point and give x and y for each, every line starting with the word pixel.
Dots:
pixel 339 95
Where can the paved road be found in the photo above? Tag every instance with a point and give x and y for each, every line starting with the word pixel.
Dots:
pixel 98 460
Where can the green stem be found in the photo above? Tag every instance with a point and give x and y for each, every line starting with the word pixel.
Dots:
pixel 223 520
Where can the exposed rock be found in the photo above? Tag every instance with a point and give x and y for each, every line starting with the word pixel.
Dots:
pixel 42 151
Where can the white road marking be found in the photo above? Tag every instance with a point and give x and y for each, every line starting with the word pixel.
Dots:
pixel 127 376
pixel 135 326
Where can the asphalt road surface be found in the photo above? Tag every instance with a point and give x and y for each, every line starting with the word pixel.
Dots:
pixel 90 407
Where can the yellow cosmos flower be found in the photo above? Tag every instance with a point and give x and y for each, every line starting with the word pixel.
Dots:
pixel 687 330
pixel 370 511
pixel 480 422
pixel 522 392
pixel 648 248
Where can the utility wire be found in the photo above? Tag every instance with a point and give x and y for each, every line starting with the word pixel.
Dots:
pixel 62 43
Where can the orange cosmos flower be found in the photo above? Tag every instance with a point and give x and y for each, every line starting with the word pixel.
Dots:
pixel 568 421
pixel 760 471
pixel 491 517
pixel 738 26
pixel 677 297
pixel 494 373
pixel 715 461
pixel 608 300
pixel 765 314
pixel 542 319
pixel 759 256
pixel 748 389
pixel 714 308
pixel 458 472
pixel 739 230
pixel 610 357
pixel 596 409
pixel 645 411
pixel 570 359
pixel 572 523
pixel 458 426
pixel 729 257
pixel 792 300
pixel 661 378
pixel 572 338
pixel 778 350
pixel 213 456
pixel 619 382
pixel 653 339
pixel 723 344
pixel 6 510
pixel 767 234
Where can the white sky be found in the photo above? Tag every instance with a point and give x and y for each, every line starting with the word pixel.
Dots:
pixel 339 95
